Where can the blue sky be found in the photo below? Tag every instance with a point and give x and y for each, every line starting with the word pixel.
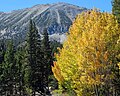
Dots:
pixel 9 5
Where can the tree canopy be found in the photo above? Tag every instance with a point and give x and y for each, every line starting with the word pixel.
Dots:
pixel 86 62
pixel 116 9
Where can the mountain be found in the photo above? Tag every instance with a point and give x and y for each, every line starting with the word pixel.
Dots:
pixel 56 17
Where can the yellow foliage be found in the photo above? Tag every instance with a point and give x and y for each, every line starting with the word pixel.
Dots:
pixel 88 50
pixel 57 73
pixel 119 65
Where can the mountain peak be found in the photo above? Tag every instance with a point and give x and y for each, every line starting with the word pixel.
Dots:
pixel 57 17
pixel 61 3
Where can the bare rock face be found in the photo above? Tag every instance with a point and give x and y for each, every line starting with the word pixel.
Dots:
pixel 56 17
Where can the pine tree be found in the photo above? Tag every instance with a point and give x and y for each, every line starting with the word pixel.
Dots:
pixel 54 45
pixel 19 57
pixel 9 68
pixel 32 42
pixel 2 53
pixel 116 70
pixel 2 50
pixel 116 82
pixel 47 50
pixel 39 68
pixel 116 9
pixel 35 60
pixel 48 61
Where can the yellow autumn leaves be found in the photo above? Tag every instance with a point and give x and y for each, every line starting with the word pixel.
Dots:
pixel 89 52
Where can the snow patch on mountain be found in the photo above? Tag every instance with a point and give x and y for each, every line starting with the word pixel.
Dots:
pixel 58 37
pixel 58 16
pixel 2 32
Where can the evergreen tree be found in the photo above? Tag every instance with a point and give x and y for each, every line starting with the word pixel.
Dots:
pixel 2 53
pixel 2 50
pixel 116 70
pixel 39 83
pixel 19 57
pixel 35 60
pixel 47 49
pixel 48 61
pixel 32 42
pixel 116 81
pixel 54 45
pixel 9 68
pixel 116 9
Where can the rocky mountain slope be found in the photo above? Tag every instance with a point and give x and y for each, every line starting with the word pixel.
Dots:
pixel 56 17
